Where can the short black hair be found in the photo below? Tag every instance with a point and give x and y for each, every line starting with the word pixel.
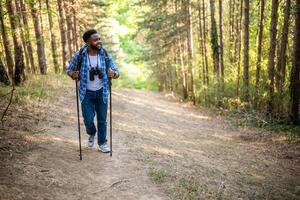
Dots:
pixel 87 34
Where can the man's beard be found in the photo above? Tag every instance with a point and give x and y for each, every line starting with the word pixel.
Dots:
pixel 95 47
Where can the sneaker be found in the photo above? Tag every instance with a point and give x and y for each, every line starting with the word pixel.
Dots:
pixel 104 148
pixel 91 141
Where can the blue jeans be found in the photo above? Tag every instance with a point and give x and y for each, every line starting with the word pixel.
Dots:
pixel 93 102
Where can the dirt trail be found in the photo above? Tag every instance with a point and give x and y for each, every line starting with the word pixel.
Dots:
pixel 151 134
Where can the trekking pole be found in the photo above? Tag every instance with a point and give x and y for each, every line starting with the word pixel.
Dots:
pixel 78 66
pixel 80 153
pixel 110 107
pixel 110 118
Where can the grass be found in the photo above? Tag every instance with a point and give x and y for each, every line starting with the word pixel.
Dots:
pixel 158 175
pixel 190 188
pixel 36 88
pixel 251 119
pixel 31 100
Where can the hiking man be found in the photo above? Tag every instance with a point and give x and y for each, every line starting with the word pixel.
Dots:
pixel 94 86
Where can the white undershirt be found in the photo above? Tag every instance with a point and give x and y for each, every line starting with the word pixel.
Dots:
pixel 96 84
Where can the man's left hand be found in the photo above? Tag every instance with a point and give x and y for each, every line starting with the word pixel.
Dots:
pixel 112 74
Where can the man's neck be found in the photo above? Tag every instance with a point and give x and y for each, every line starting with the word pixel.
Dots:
pixel 92 52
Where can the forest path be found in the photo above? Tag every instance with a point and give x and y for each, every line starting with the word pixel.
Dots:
pixel 162 149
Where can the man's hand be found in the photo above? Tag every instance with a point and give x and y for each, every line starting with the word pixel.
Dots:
pixel 112 74
pixel 74 74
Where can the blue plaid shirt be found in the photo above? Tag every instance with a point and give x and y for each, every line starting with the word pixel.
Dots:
pixel 84 72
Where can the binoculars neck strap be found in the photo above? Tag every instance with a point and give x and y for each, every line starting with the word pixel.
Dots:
pixel 90 61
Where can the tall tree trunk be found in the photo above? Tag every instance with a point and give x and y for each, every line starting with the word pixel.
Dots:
pixel 53 38
pixel 182 58
pixel 69 26
pixel 190 49
pixel 281 62
pixel 62 33
pixel 232 30
pixel 27 37
pixel 273 35
pixel 74 27
pixel 41 19
pixel 214 40
pixel 6 44
pixel 177 46
pixel 246 94
pixel 230 20
pixel 42 30
pixel 39 38
pixel 18 55
pixel 23 40
pixel 295 71
pixel 259 49
pixel 239 47
pixel 201 45
pixel 221 45
pixel 183 73
pixel 204 42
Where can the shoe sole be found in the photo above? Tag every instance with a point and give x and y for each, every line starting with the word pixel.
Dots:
pixel 103 151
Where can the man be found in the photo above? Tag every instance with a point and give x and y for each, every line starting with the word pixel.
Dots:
pixel 94 86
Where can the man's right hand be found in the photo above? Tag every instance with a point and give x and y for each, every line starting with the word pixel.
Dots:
pixel 74 74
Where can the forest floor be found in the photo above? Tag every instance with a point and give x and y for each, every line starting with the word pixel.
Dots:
pixel 162 149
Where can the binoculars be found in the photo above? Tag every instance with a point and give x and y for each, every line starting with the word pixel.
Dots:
pixel 95 71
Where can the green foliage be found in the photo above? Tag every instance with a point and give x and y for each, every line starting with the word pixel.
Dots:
pixel 136 76
pixel 134 51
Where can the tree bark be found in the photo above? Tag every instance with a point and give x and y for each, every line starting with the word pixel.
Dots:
pixel 281 62
pixel 18 55
pixel 62 33
pixel 273 35
pixel 53 38
pixel 19 65
pixel 246 94
pixel 74 27
pixel 39 38
pixel 23 40
pixel 201 45
pixel 190 49
pixel 204 42
pixel 295 71
pixel 221 45
pixel 6 44
pixel 66 4
pixel 214 40
pixel 259 49
pixel 238 48
pixel 27 37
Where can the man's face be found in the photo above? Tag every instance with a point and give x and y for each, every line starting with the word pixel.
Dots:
pixel 94 41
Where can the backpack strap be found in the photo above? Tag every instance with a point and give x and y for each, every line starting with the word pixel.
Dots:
pixel 79 62
pixel 106 58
